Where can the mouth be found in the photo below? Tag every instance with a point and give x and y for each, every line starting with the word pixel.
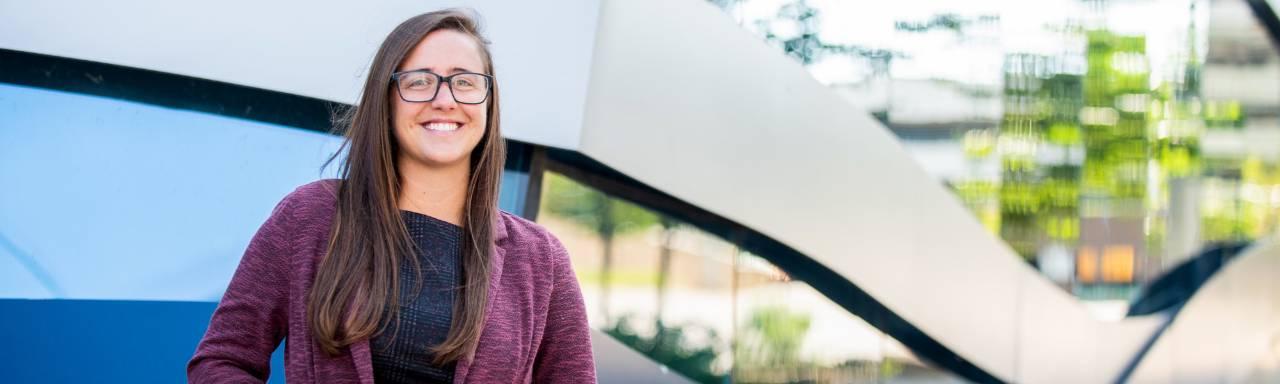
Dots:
pixel 441 126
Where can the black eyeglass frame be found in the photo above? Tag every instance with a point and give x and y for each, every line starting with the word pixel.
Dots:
pixel 441 80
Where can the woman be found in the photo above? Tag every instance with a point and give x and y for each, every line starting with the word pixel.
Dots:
pixel 404 270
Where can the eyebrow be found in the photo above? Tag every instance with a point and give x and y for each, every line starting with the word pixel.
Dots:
pixel 451 70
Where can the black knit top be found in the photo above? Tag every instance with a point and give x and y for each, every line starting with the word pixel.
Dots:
pixel 401 356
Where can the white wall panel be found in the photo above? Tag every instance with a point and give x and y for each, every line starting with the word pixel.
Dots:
pixel 320 48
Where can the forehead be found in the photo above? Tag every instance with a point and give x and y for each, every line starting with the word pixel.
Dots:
pixel 444 50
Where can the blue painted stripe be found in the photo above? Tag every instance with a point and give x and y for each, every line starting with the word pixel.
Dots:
pixel 104 341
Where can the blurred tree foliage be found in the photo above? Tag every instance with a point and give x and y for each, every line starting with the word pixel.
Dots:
pixel 669 347
pixel 608 217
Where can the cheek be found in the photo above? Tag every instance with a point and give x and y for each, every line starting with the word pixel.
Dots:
pixel 479 115
pixel 402 123
pixel 402 113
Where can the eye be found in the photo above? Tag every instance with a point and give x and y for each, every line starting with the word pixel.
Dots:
pixel 417 81
pixel 464 83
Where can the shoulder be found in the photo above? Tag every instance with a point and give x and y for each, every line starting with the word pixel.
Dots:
pixel 319 192
pixel 528 236
pixel 311 202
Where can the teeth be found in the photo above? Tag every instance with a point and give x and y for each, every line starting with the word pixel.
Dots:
pixel 447 127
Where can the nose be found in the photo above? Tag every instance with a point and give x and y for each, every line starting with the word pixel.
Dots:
pixel 442 99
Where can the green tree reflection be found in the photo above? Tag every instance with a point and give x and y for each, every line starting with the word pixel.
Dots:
pixel 773 337
pixel 608 217
pixel 670 347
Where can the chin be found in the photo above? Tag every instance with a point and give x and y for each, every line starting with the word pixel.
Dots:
pixel 443 159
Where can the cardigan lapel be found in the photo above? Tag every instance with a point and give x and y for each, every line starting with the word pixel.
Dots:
pixel 497 255
pixel 363 359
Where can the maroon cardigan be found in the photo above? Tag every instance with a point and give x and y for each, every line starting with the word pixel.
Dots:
pixel 535 327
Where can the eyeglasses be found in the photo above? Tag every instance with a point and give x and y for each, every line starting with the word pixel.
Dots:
pixel 420 86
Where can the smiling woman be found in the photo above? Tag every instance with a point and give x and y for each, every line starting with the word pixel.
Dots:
pixel 403 269
pixel 440 131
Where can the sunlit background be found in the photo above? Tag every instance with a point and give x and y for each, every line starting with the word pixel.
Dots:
pixel 1123 150
pixel 1106 142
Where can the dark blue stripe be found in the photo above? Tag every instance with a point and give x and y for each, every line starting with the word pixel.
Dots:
pixel 99 341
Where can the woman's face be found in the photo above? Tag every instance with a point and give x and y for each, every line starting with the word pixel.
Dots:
pixel 440 132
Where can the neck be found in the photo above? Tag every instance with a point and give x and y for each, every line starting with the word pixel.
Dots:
pixel 436 191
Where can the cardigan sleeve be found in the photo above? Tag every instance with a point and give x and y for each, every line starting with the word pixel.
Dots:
pixel 251 319
pixel 564 355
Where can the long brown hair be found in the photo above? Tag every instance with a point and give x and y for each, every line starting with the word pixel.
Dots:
pixel 356 289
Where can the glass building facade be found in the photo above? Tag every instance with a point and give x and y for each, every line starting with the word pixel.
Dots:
pixel 705 307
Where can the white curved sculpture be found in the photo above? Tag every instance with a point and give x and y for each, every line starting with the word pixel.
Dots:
pixel 1229 332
